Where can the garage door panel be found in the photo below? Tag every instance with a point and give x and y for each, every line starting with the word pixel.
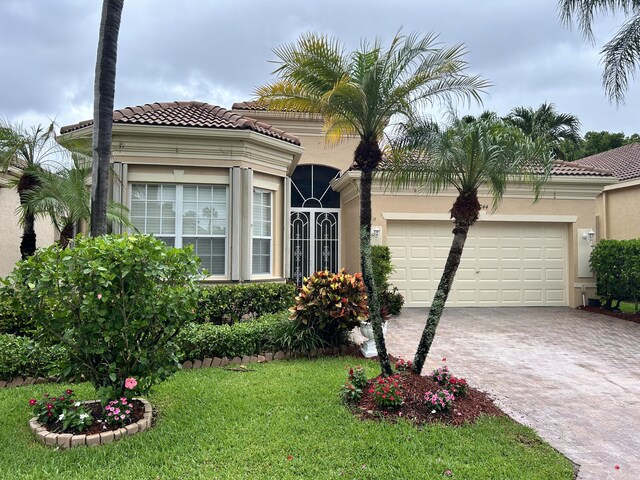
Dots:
pixel 503 263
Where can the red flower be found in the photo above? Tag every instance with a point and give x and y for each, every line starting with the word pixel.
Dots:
pixel 617 467
pixel 69 392
pixel 289 457
pixel 49 406
pixel 33 401
pixel 444 359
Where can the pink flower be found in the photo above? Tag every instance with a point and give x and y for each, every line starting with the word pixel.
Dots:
pixel 617 467
pixel 448 473
pixel 33 401
pixel 121 417
pixel 130 383
pixel 99 296
pixel 444 359
pixel 127 412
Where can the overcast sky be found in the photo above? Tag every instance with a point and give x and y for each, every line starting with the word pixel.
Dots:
pixel 218 51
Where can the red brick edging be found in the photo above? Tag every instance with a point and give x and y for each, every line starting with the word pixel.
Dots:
pixel 67 440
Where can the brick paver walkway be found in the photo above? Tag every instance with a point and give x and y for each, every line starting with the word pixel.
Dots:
pixel 572 376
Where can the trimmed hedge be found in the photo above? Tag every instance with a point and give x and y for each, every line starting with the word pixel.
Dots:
pixel 23 357
pixel 228 304
pixel 616 264
pixel 253 337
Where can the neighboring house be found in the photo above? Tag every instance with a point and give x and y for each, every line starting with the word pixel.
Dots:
pixel 11 229
pixel 262 197
pixel 617 206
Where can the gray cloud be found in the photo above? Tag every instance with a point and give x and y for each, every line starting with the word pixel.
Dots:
pixel 219 51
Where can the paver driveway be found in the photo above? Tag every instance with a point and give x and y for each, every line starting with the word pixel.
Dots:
pixel 573 376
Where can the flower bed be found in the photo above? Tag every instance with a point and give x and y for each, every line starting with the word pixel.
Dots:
pixel 97 434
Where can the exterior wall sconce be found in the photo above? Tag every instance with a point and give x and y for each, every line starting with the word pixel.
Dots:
pixel 589 236
pixel 376 231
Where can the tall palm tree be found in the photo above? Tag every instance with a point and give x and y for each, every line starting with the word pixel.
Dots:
pixel 621 54
pixel 63 196
pixel 103 96
pixel 468 156
pixel 27 150
pixel 357 93
pixel 547 124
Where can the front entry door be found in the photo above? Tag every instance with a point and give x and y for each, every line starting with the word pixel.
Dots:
pixel 315 225
pixel 314 241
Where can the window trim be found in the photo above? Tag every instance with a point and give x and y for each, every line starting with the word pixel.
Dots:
pixel 269 274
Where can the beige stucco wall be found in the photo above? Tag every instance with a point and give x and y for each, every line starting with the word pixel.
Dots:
pixel 559 200
pixel 12 232
pixel 618 211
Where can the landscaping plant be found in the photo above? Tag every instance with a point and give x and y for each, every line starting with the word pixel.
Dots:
pixel 116 302
pixel 331 304
pixel 440 400
pixel 61 413
pixel 387 392
pixel 616 264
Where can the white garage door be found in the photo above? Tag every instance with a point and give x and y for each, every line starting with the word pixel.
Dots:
pixel 503 263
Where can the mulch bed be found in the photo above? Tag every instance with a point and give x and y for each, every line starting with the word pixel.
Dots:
pixel 632 317
pixel 465 409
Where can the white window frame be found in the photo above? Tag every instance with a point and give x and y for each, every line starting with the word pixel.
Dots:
pixel 262 237
pixel 179 208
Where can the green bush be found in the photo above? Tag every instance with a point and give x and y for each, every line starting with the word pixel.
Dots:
pixel 331 304
pixel 24 357
pixel 616 264
pixel 227 304
pixel 391 300
pixel 382 267
pixel 199 341
pixel 115 302
pixel 15 317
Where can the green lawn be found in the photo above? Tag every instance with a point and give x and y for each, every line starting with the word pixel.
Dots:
pixel 217 424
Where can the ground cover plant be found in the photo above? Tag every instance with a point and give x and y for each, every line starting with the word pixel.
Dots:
pixel 280 420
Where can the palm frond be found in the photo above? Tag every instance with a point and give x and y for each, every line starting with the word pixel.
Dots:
pixel 621 56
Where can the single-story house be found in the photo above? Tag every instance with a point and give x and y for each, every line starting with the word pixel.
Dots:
pixel 617 206
pixel 262 197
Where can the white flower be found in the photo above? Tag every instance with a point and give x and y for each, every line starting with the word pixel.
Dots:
pixel 77 404
pixel 61 417
pixel 433 411
pixel 83 416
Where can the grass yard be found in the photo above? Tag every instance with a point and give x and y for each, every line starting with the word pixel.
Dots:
pixel 282 420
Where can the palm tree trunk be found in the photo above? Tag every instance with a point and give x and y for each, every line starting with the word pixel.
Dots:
pixel 26 184
pixel 104 93
pixel 367 271
pixel 66 234
pixel 440 298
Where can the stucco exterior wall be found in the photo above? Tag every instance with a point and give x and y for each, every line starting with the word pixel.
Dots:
pixel 618 211
pixel 12 232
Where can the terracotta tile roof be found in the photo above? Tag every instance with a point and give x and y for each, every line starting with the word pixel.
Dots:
pixel 623 161
pixel 189 114
pixel 250 106
pixel 559 168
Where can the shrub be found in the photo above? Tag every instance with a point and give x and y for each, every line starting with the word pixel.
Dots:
pixel 387 392
pixel 616 264
pixel 381 266
pixel 15 317
pixel 441 375
pixel 350 393
pixel 253 337
pixel 357 376
pixel 454 385
pixel 403 365
pixel 116 303
pixel 392 301
pixel 458 386
pixel 227 304
pixel 331 304
pixel 24 357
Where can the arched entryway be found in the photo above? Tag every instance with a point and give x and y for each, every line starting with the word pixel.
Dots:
pixel 315 226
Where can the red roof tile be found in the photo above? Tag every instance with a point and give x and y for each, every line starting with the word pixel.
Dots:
pixel 189 114
pixel 250 106
pixel 623 161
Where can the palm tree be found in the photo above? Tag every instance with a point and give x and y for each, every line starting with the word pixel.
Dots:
pixel 547 124
pixel 621 53
pixel 63 196
pixel 27 151
pixel 357 93
pixel 467 156
pixel 104 92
